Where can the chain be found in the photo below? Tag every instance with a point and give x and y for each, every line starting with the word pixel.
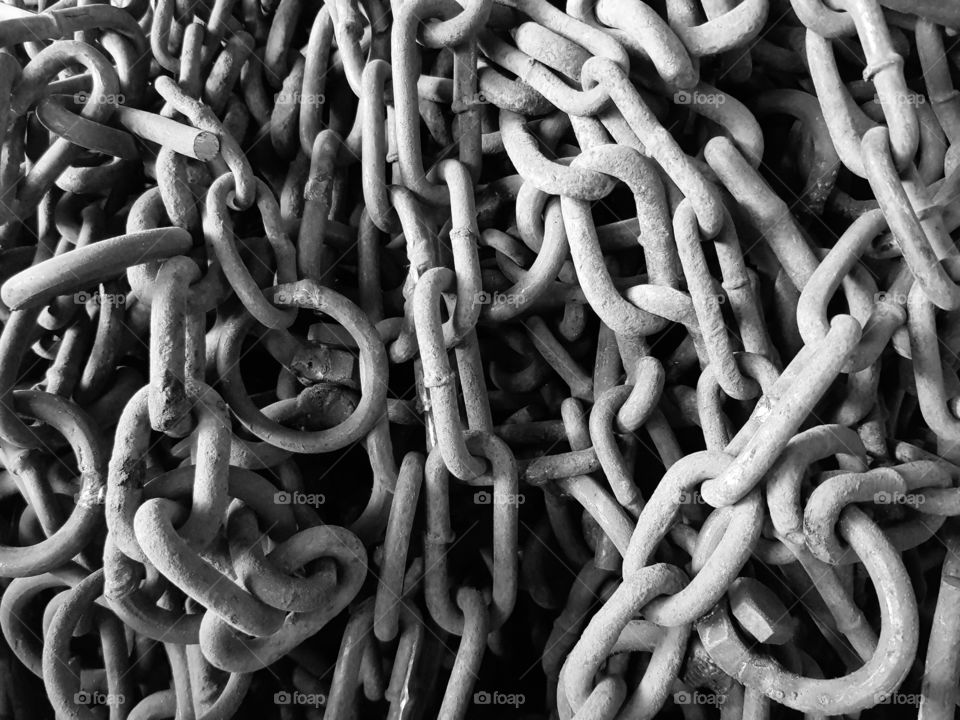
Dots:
pixel 453 359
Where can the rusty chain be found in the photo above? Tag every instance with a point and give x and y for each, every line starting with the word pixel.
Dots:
pixel 476 359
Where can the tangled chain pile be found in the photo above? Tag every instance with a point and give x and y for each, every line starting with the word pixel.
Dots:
pixel 461 358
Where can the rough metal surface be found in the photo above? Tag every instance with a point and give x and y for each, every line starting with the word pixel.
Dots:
pixel 486 358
